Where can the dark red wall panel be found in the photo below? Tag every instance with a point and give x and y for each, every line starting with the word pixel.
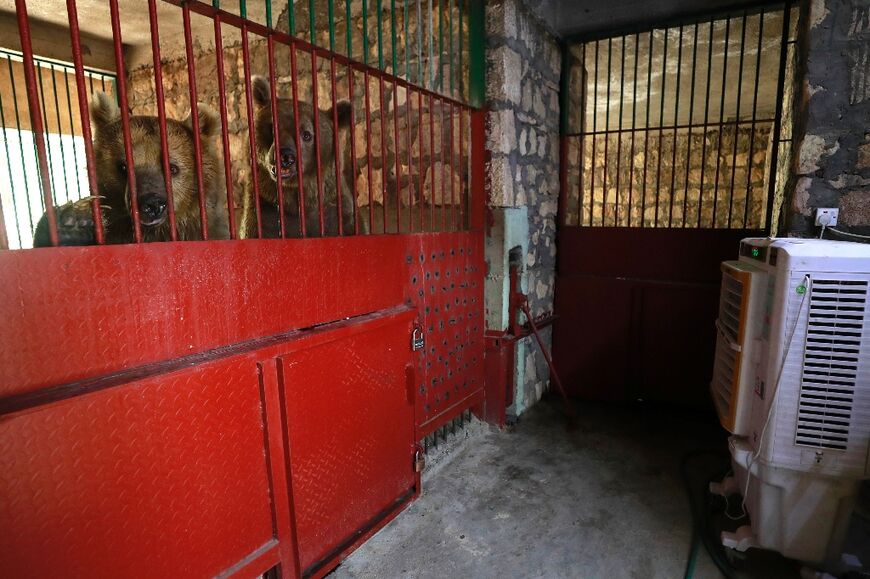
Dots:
pixel 636 309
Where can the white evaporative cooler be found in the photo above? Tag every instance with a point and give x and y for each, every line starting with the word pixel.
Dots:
pixel 791 381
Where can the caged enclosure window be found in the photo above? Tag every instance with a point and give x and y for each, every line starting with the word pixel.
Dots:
pixel 684 126
pixel 165 120
pixel 20 184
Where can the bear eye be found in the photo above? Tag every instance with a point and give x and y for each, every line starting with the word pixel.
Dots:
pixel 306 136
pixel 173 168
pixel 122 167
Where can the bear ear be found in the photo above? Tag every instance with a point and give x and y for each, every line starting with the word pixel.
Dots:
pixel 104 111
pixel 343 109
pixel 261 92
pixel 209 121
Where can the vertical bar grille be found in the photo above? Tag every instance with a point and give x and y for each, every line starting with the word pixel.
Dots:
pixel 404 164
pixel 66 142
pixel 679 126
pixel 831 369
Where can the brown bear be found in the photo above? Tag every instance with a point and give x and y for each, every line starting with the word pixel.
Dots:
pixel 292 156
pixel 75 219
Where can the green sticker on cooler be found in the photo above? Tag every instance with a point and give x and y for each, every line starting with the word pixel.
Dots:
pixel 801 290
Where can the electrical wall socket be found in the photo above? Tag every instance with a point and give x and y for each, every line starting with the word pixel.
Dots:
pixel 827 216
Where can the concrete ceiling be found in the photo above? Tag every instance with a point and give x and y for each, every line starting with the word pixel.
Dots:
pixel 578 17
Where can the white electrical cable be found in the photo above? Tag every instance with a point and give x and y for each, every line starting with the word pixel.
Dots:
pixel 846 233
pixel 752 458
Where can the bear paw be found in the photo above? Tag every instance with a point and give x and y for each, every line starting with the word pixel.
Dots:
pixel 75 225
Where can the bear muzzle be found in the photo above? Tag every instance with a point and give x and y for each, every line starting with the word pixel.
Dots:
pixel 152 210
pixel 288 164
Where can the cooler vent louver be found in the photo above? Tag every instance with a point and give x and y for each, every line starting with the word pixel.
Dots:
pixel 727 350
pixel 831 362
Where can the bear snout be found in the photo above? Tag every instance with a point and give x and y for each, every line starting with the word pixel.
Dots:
pixel 152 210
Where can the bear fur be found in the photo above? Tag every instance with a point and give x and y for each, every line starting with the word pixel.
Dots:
pixel 291 157
pixel 75 219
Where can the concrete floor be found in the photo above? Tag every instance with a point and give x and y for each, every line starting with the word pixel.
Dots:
pixel 603 501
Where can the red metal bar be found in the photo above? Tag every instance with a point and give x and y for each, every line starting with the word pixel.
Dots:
pixel 443 166
pixel 84 112
pixel 398 156
pixel 452 168
pixel 300 182
pixel 237 21
pixel 432 155
pixel 368 115
pixel 570 411
pixel 194 116
pixel 383 152
pixel 121 83
pixel 225 138
pixel 314 103
pixel 33 105
pixel 410 161
pixel 252 144
pixel 420 155
pixel 336 152
pixel 350 82
pixel 161 113
pixel 462 165
pixel 276 131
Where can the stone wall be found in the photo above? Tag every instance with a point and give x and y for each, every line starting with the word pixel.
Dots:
pixel 714 177
pixel 523 69
pixel 832 145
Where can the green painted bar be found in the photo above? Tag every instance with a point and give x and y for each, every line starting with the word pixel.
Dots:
pixel 420 79
pixel 330 7
pixel 393 22
pixel 430 78
pixel 243 8
pixel 450 29
pixel 312 23
pixel 477 53
pixel 20 141
pixel 47 141
pixel 462 83
pixel 291 17
pixel 563 90
pixel 440 46
pixel 269 13
pixel 347 18
pixel 365 9
pixel 59 129
pixel 9 170
pixel 380 35
pixel 216 3
pixel 71 128
pixel 407 41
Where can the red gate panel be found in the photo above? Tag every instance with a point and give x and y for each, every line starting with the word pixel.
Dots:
pixel 161 477
pixel 446 283
pixel 350 419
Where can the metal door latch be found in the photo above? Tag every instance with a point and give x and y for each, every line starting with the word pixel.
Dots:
pixel 417 341
pixel 419 461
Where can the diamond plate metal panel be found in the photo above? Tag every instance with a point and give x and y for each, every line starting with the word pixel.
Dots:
pixel 350 420
pixel 446 280
pixel 158 478
pixel 77 312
